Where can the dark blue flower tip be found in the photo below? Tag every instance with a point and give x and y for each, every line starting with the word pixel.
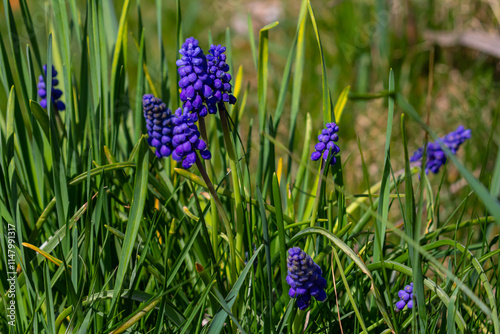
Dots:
pixel 55 94
pixel 406 298
pixel 221 80
pixel 305 278
pixel 159 125
pixel 436 157
pixel 326 143
pixel 186 139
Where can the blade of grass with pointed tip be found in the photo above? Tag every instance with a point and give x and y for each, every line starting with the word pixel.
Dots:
pixel 298 74
pixel 251 39
pixel 262 76
pixel 327 114
pixel 41 117
pixel 340 105
pixel 134 219
pixel 140 90
pixel 412 230
pixel 495 179
pixel 384 202
pixel 119 50
pixel 58 168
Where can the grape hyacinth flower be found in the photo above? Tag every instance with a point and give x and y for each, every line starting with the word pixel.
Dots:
pixel 55 94
pixel 195 82
pixel 159 124
pixel 327 140
pixel 406 298
pixel 305 278
pixel 219 78
pixel 435 154
pixel 186 139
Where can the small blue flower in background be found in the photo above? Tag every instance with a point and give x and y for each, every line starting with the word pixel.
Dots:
pixel 435 154
pixel 220 79
pixel 305 278
pixel 194 82
pixel 406 298
pixel 186 139
pixel 55 94
pixel 159 124
pixel 327 140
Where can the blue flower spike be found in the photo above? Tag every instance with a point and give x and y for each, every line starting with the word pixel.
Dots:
pixel 186 139
pixel 327 141
pixel 195 83
pixel 159 125
pixel 406 298
pixel 305 278
pixel 55 94
pixel 435 154
pixel 219 78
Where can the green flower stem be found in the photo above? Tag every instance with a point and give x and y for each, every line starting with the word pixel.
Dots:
pixel 316 202
pixel 240 229
pixel 213 205
pixel 298 322
pixel 225 219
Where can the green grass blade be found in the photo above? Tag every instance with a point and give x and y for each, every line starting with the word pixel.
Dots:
pixel 340 105
pixel 262 75
pixel 267 246
pixel 383 207
pixel 413 231
pixel 281 232
pixel 134 219
pixel 219 319
pixel 140 90
pixel 495 180
pixel 298 75
pixel 251 39
pixel 327 114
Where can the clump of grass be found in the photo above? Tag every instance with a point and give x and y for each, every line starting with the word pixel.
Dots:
pixel 179 222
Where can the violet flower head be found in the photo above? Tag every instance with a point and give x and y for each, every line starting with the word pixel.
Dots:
pixel 406 298
pixel 436 157
pixel 327 141
pixel 305 278
pixel 186 139
pixel 217 69
pixel 159 124
pixel 55 94
pixel 195 82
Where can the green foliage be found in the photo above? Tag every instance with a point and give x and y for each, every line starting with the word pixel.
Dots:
pixel 99 235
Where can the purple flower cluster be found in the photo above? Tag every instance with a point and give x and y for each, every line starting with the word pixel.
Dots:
pixel 305 278
pixel 406 298
pixel 194 82
pixel 220 79
pixel 173 134
pixel 186 139
pixel 204 80
pixel 327 140
pixel 159 124
pixel 55 94
pixel 436 157
pixel 204 85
